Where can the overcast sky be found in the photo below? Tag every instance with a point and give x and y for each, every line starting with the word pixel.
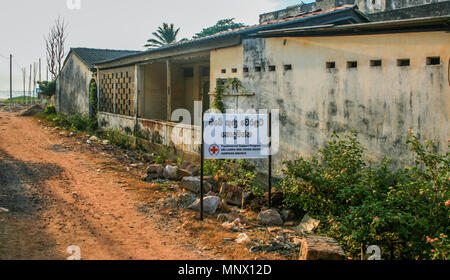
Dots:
pixel 109 24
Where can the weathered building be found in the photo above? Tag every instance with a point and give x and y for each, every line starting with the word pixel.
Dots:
pixel 328 71
pixel 145 89
pixel 377 10
pixel 72 85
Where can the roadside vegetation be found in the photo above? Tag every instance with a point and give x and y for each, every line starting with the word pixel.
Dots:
pixel 86 124
pixel 403 211
pixel 19 99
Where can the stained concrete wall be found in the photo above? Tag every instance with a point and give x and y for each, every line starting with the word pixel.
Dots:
pixel 424 8
pixel 429 10
pixel 72 87
pixel 379 103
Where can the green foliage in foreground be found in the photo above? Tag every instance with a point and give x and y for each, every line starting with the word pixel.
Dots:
pixel 404 212
pixel 75 122
pixel 82 123
pixel 238 173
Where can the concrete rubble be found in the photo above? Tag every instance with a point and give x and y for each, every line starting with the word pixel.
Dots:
pixel 270 217
pixel 210 204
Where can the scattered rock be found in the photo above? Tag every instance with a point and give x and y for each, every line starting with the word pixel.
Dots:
pixel 225 218
pixel 321 248
pixel 181 201
pixel 270 217
pixel 233 226
pixel 192 184
pixel 210 204
pixel 93 138
pixel 170 172
pixel 307 225
pixel 89 141
pixel 153 172
pixel 181 173
pixel 3 210
pixel 105 142
pixel 190 167
pixel 243 239
pixel 232 194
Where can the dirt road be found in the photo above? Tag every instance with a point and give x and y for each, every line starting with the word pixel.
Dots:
pixel 54 198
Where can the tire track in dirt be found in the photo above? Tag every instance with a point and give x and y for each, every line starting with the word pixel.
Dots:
pixel 73 205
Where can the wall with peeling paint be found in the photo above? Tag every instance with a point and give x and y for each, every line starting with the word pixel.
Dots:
pixel 72 87
pixel 380 103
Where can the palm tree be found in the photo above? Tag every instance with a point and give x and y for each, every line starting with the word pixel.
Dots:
pixel 165 35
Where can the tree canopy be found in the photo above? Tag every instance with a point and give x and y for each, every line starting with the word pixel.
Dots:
pixel 221 25
pixel 165 35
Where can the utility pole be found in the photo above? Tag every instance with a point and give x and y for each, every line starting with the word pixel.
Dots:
pixel 10 80
pixel 40 97
pixel 29 85
pixel 34 82
pixel 24 73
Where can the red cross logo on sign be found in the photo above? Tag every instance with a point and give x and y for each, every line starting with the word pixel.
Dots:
pixel 214 150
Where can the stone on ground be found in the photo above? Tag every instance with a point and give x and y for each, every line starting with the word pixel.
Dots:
pixel 232 194
pixel 170 172
pixel 154 171
pixel 243 239
pixel 210 204
pixel 270 217
pixel 321 248
pixel 307 225
pixel 3 210
pixel 192 184
pixel 181 173
pixel 190 167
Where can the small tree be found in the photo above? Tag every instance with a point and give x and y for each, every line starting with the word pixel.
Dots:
pixel 165 35
pixel 47 88
pixel 54 42
pixel 221 25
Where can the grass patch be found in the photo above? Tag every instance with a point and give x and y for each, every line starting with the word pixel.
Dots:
pixel 19 99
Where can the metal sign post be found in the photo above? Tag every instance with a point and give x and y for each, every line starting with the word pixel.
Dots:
pixel 235 136
pixel 270 161
pixel 201 167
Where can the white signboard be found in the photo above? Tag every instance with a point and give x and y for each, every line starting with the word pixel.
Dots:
pixel 236 136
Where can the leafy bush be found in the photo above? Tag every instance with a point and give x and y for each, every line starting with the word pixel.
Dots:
pixel 239 173
pixel 50 110
pixel 118 138
pixel 362 206
pixel 162 156
pixel 47 88
pixel 76 122
pixel 93 98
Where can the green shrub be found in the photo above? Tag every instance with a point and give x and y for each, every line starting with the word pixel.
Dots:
pixel 93 98
pixel 50 110
pixel 362 206
pixel 239 173
pixel 118 138
pixel 162 156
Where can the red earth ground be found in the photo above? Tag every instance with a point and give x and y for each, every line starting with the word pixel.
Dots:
pixel 61 192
